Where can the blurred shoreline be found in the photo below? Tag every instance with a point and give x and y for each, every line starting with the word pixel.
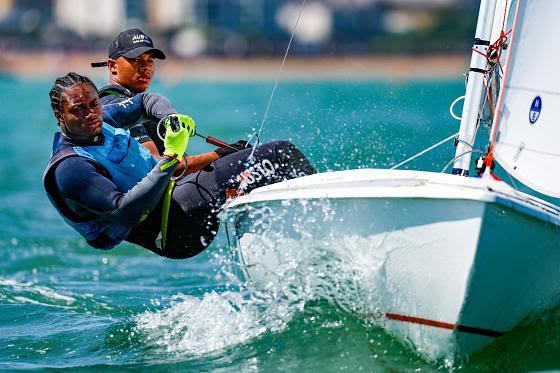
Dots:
pixel 46 65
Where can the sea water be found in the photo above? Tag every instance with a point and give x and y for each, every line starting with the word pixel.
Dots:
pixel 66 305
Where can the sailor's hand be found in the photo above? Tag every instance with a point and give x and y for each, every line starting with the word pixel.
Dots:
pixel 178 129
pixel 188 123
pixel 232 148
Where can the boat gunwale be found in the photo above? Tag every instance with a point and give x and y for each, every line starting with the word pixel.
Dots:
pixel 414 184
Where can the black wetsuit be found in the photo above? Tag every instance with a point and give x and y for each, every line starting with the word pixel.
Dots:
pixel 197 198
pixel 87 191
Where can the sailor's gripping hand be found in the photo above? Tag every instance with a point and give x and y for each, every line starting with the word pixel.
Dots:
pixel 178 129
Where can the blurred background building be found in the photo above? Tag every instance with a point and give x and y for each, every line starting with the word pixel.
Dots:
pixel 242 28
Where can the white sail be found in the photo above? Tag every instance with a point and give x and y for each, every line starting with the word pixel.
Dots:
pixel 527 123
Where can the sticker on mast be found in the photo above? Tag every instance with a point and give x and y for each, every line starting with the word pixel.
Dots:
pixel 535 111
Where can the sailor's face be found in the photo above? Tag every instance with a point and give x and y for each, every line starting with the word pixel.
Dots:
pixel 82 116
pixel 133 73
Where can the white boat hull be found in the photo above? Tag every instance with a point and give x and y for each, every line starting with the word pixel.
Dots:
pixel 445 263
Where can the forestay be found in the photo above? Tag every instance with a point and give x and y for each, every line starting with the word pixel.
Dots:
pixel 527 124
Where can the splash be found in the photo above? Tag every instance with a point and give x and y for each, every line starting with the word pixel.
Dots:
pixel 299 257
pixel 341 270
pixel 200 326
pixel 294 252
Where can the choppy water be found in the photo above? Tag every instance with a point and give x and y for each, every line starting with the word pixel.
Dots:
pixel 65 305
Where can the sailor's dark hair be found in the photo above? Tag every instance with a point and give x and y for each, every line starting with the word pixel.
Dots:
pixel 64 83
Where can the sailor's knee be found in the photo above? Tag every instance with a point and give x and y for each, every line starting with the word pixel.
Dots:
pixel 282 146
pixel 287 153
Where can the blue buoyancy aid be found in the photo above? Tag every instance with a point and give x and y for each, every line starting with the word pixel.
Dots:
pixel 121 159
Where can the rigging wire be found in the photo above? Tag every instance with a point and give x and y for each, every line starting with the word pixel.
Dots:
pixel 459 156
pixel 496 47
pixel 500 45
pixel 493 58
pixel 257 133
pixel 424 151
pixel 457 117
pixel 455 135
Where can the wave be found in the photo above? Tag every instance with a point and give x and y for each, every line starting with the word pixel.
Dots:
pixel 220 320
pixel 201 326
pixel 28 292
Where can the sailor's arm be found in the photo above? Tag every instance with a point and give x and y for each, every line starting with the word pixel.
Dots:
pixel 127 113
pixel 156 106
pixel 198 162
pixel 96 193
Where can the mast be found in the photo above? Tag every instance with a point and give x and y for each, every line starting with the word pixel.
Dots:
pixel 475 88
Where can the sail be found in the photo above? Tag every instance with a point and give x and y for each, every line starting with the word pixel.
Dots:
pixel 527 123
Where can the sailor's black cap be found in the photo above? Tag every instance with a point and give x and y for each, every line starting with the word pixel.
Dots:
pixel 130 43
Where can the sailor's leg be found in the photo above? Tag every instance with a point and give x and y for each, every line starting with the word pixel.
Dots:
pixel 272 162
pixel 197 198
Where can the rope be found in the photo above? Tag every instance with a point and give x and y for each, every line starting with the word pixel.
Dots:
pixel 502 40
pixel 459 156
pixel 265 116
pixel 490 156
pixel 492 89
pixel 452 106
pixel 494 47
pixel 165 213
pixel 492 56
pixel 424 151
pixel 494 51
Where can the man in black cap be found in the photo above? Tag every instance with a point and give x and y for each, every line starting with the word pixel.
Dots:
pixel 131 64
